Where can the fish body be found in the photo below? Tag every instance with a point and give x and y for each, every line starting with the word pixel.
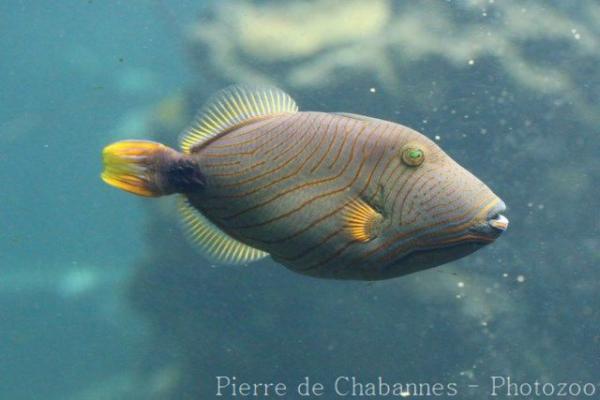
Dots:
pixel 328 195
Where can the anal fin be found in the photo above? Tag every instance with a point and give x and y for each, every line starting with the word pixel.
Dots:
pixel 215 244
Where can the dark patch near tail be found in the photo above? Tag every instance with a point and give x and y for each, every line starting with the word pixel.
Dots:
pixel 184 176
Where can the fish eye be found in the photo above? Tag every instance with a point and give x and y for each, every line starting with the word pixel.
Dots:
pixel 413 155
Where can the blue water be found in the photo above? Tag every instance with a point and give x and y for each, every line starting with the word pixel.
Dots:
pixel 100 297
pixel 63 66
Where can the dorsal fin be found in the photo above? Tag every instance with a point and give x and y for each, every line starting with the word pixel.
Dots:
pixel 231 107
pixel 357 117
pixel 215 244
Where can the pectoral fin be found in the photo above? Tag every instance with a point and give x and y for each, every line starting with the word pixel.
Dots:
pixel 361 221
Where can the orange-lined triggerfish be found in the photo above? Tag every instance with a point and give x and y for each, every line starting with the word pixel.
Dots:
pixel 330 195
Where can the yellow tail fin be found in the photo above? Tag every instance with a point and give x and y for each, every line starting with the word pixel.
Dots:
pixel 132 166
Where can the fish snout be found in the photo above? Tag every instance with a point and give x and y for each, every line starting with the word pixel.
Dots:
pixel 494 222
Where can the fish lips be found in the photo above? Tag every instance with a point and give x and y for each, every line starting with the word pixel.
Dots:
pixel 493 225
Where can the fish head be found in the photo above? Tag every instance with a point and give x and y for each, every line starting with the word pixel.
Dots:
pixel 438 211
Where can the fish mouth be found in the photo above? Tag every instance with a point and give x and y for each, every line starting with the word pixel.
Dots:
pixel 494 223
pixel 496 219
pixel 498 222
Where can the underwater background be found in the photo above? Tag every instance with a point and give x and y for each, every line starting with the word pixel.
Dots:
pixel 102 298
